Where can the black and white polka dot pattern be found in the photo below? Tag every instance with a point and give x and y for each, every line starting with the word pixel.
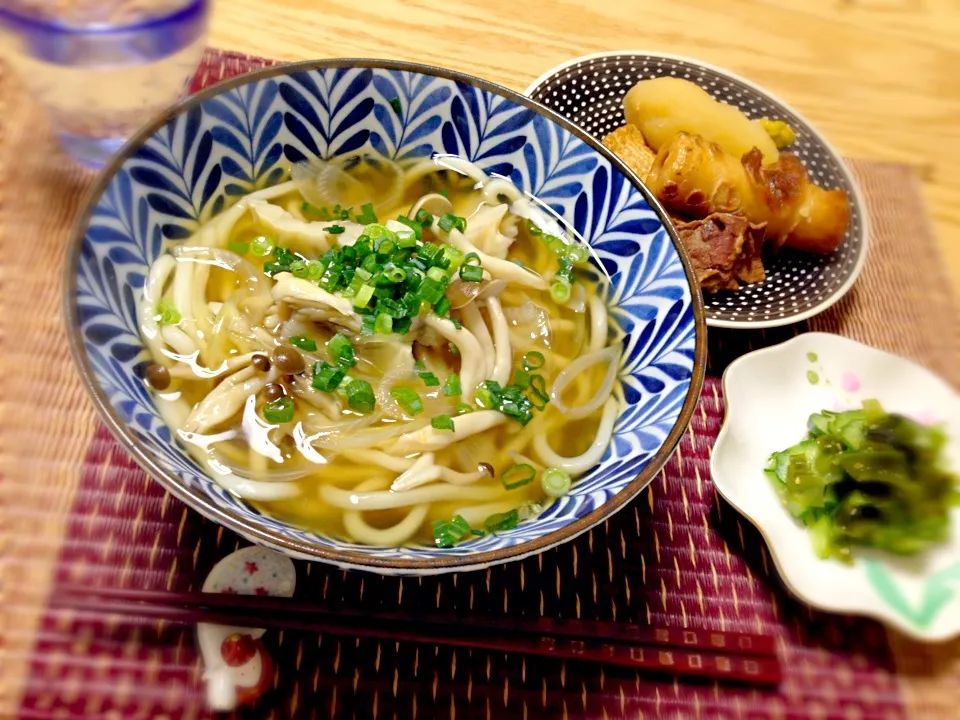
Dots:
pixel 590 93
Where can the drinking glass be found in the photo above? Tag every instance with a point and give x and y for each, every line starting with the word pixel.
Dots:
pixel 103 67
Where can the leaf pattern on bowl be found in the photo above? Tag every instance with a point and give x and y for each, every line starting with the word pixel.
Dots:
pixel 205 157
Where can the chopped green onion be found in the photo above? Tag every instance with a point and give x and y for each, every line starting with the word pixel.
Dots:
pixel 442 422
pixel 555 482
pixel 521 378
pixel 454 257
pixel 509 400
pixel 428 251
pixel 539 387
pixel 502 521
pixel 429 379
pixel 168 313
pixel 577 254
pixel 449 221
pixel 452 385
pixel 383 324
pixel 395 274
pixel 282 255
pixel 456 323
pixel 447 533
pixel 560 292
pixel 424 218
pixel 241 248
pixel 314 270
pixel 364 295
pixel 539 402
pixel 408 399
pixel 406 241
pixel 471 259
pixel 331 278
pixel 484 399
pixel 454 350
pixel 436 274
pixel 279 410
pixel 261 246
pixel 342 387
pixel 376 231
pixel 340 349
pixel 533 228
pixel 335 229
pixel 392 308
pixel 402 325
pixel 533 360
pixel 367 216
pixel 397 107
pixel 464 408
pixel 517 476
pixel 299 269
pixel 386 246
pixel 442 307
pixel 353 288
pixel 303 342
pixel 360 396
pixel 565 273
pixel 556 245
pixel 478 532
pixel 431 291
pixel 326 377
pixel 413 225
pixel 471 273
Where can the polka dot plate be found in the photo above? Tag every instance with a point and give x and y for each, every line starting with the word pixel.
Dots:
pixel 589 92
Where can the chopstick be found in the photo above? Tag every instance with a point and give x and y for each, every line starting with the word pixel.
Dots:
pixel 729 656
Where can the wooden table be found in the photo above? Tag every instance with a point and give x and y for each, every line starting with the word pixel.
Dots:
pixel 878 77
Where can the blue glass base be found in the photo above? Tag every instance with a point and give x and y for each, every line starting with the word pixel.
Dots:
pixel 91 152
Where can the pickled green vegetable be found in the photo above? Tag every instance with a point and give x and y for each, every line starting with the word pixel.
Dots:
pixel 867 478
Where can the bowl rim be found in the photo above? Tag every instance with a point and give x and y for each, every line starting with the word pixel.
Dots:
pixel 781 561
pixel 857 198
pixel 199 501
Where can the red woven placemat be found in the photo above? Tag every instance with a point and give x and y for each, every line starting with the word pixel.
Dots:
pixel 676 556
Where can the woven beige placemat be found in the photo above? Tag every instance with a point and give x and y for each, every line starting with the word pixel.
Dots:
pixel 46 423
pixel 904 301
pixel 45 419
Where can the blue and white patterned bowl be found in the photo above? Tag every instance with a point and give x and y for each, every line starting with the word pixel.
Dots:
pixel 200 156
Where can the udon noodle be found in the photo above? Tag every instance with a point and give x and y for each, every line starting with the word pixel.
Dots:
pixel 431 377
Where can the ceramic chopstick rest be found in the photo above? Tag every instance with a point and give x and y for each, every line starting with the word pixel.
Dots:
pixel 237 665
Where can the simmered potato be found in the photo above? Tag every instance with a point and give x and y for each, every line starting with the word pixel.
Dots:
pixel 664 107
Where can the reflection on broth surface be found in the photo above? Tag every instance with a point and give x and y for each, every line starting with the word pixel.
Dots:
pixel 394 355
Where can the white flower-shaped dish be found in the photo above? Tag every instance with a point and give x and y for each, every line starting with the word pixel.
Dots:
pixel 769 395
